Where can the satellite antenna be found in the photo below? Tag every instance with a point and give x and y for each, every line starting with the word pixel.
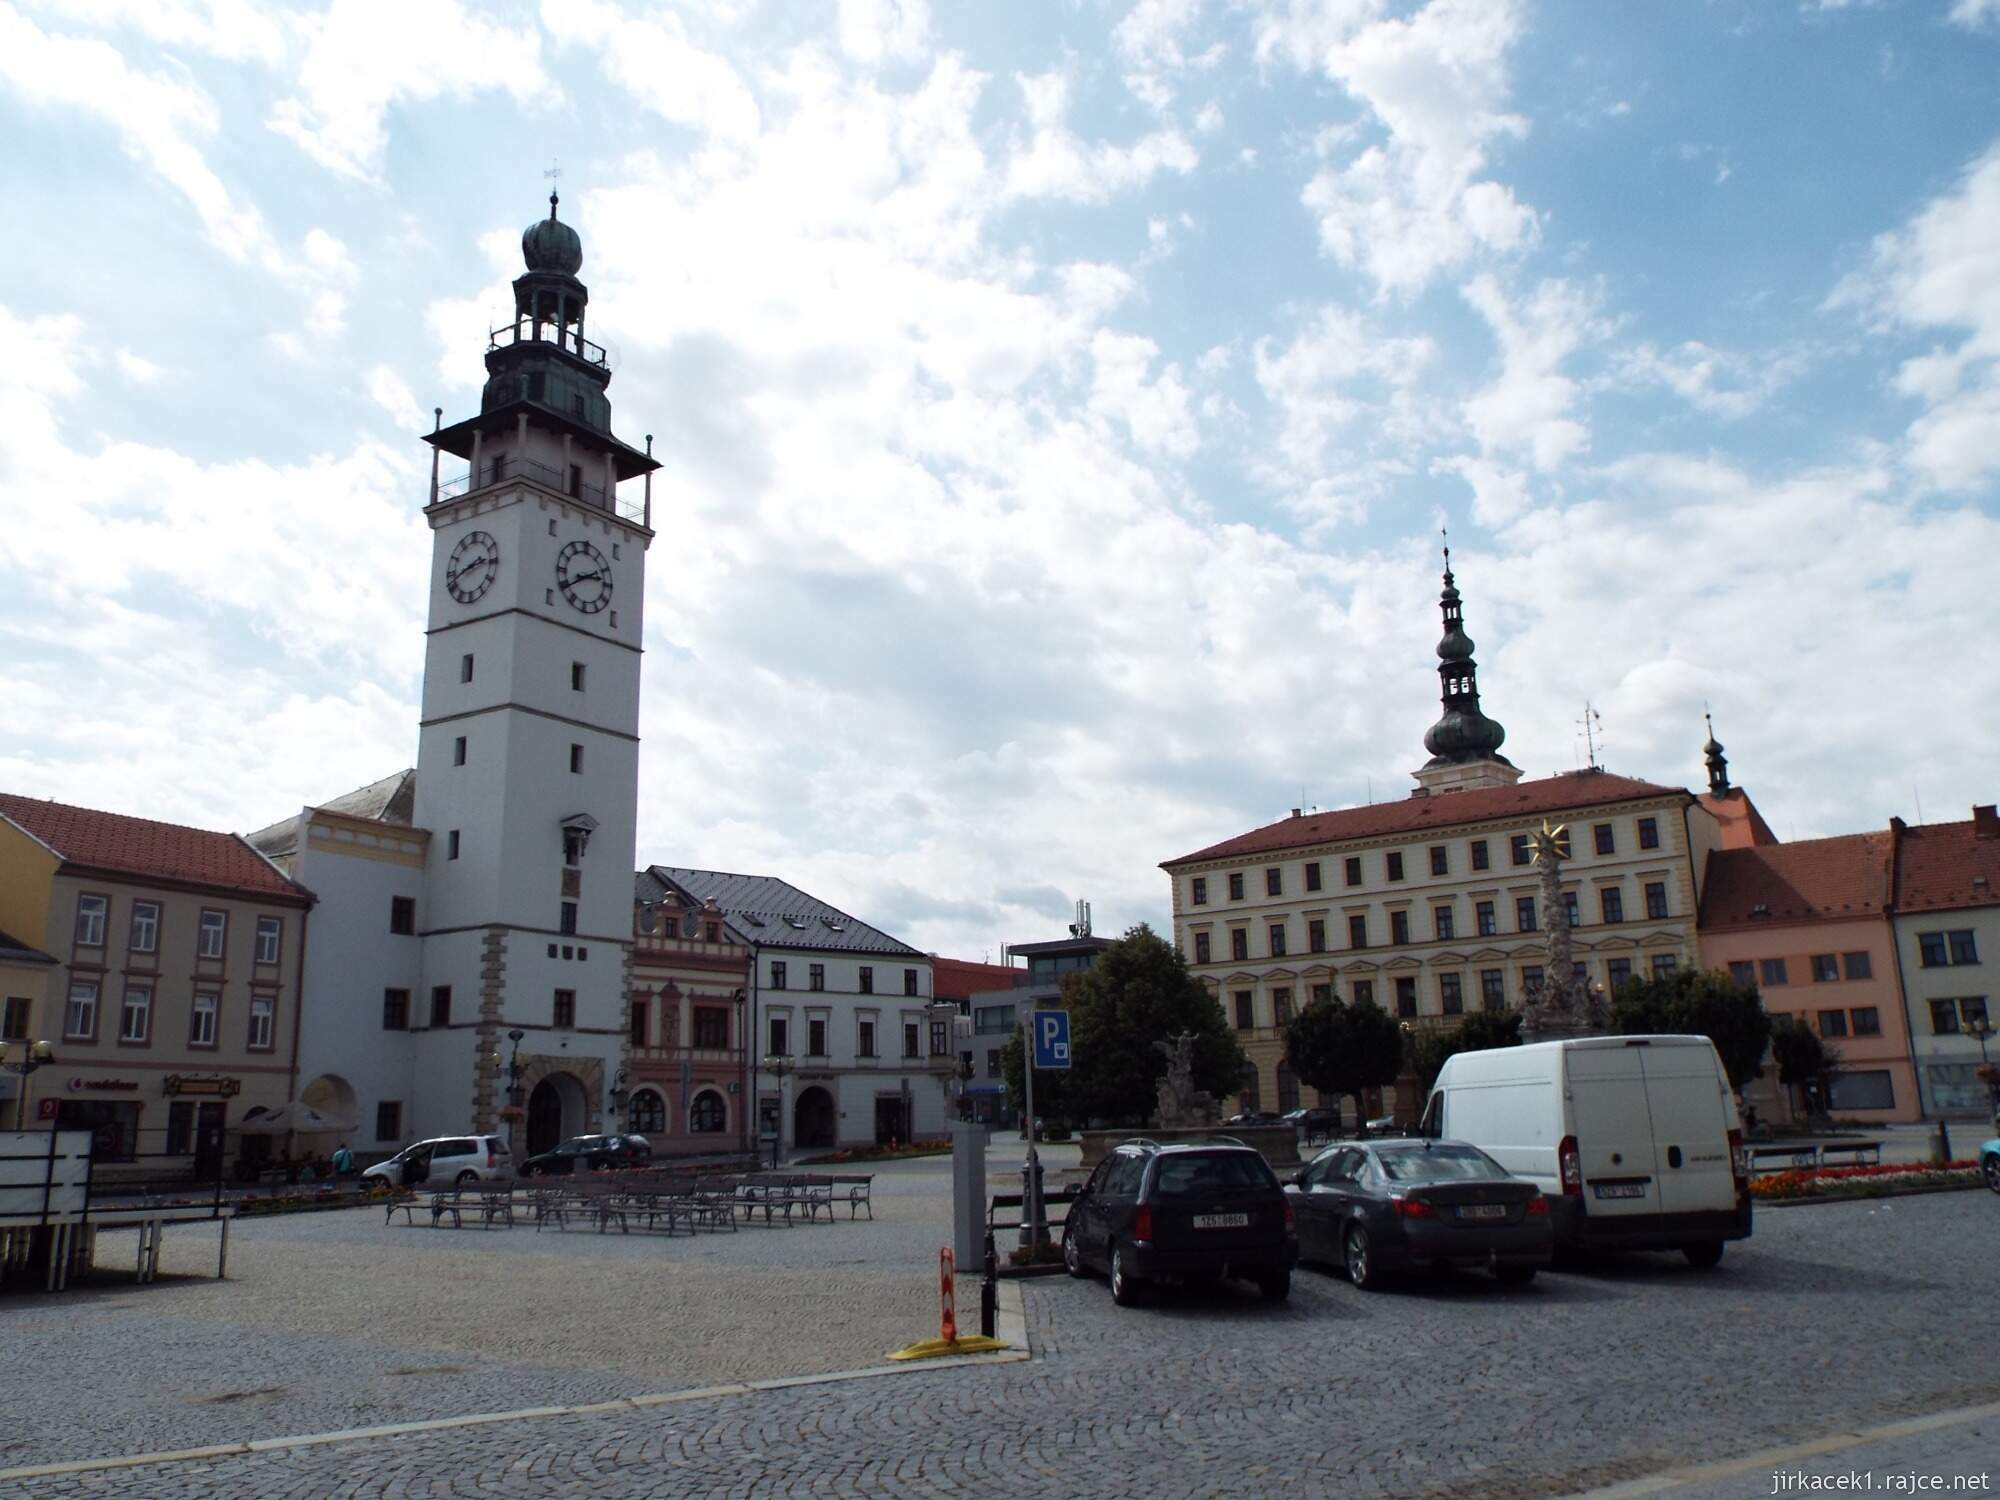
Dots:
pixel 1592 724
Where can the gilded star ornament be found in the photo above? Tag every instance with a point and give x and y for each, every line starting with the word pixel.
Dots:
pixel 1548 842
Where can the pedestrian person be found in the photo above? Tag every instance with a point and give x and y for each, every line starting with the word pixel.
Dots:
pixel 343 1160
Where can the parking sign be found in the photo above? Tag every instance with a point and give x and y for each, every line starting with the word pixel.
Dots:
pixel 1050 1029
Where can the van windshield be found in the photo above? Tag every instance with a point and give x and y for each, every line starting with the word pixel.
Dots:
pixel 1439 1164
pixel 1224 1172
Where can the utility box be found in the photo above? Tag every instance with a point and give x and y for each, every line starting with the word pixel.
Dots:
pixel 968 1193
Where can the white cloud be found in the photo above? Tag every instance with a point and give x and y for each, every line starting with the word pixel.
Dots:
pixel 1973 14
pixel 1529 408
pixel 237 30
pixel 1055 163
pixel 137 368
pixel 1718 382
pixel 874 31
pixel 660 65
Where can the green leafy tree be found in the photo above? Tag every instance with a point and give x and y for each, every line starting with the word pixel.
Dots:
pixel 1804 1061
pixel 1479 1031
pixel 1137 992
pixel 1345 1049
pixel 1699 1002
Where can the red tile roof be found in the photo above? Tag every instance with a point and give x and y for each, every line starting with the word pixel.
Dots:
pixel 1523 800
pixel 1743 827
pixel 1940 865
pixel 141 847
pixel 954 979
pixel 1814 880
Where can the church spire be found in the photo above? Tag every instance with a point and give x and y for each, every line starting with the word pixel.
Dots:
pixel 1718 766
pixel 1463 735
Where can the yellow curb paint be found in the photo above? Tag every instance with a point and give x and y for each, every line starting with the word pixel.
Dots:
pixel 936 1348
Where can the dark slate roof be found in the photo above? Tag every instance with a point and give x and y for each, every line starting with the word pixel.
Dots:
pixel 393 799
pixel 770 912
pixel 125 845
pixel 14 951
pixel 1424 814
pixel 1830 879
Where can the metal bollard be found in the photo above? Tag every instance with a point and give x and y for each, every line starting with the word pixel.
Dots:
pixel 989 1290
pixel 1942 1147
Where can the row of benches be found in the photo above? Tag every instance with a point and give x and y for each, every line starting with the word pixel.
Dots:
pixel 652 1198
pixel 1795 1154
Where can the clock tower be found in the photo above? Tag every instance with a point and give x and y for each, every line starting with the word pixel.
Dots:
pixel 528 755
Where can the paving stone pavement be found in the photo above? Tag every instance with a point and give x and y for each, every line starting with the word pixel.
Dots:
pixel 1831 1318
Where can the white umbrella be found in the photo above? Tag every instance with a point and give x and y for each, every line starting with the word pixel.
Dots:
pixel 298 1117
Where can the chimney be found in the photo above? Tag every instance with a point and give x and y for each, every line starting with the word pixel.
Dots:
pixel 1295 811
pixel 1985 822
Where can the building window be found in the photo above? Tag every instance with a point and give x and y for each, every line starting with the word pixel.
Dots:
pixel 440 1005
pixel 1867 1020
pixel 465 667
pixel 458 751
pixel 867 980
pixel 711 1027
pixel 1246 1015
pixel 14 1027
pixel 1963 949
pixel 1743 972
pixel 1274 881
pixel 777 974
pixel 909 981
pixel 1772 971
pixel 1364 991
pixel 1443 923
pixel 1357 931
pixel 451 844
pixel 1944 1017
pixel 576 760
pixel 1277 937
pixel 1480 859
pixel 212 935
pixel 1399 927
pixel 815 976
pixel 1571 910
pixel 201 1023
pixel 941 1039
pixel 403 915
pixel 1825 968
pixel 639 1023
pixel 912 1039
pixel 1833 1023
pixel 1351 870
pixel 1198 890
pixel 576 676
pixel 815 1036
pixel 566 919
pixel 1201 948
pixel 563 1015
pixel 1322 994
pixel 1484 919
pixel 711 932
pixel 646 1113
pixel 80 1015
pixel 1518 846
pixel 1451 994
pixel 395 1010
pixel 1603 839
pixel 1316 935
pixel 1239 943
pixel 263 1011
pixel 1617 973
pixel 1524 913
pixel 145 934
pixel 864 1037
pixel 1857 965
pixel 779 1038
pixel 270 936
pixel 1312 876
pixel 1236 887
pixel 1649 833
pixel 1440 859
pixel 389 1113
pixel 1393 864
pixel 1493 989
pixel 1613 902
pixel 1406 995
pixel 1281 1006
pixel 135 1024
pixel 1973 1011
pixel 1664 964
pixel 1656 899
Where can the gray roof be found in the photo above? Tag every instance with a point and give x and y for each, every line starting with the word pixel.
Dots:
pixel 20 953
pixel 770 912
pixel 393 799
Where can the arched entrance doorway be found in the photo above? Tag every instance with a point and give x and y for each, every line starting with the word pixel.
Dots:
pixel 555 1112
pixel 332 1096
pixel 812 1118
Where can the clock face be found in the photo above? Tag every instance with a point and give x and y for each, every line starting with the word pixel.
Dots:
pixel 472 567
pixel 584 577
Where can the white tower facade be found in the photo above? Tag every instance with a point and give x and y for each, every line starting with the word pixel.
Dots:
pixel 528 755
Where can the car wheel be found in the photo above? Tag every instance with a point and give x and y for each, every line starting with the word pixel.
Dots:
pixel 1275 1285
pixel 1991 1167
pixel 1124 1285
pixel 1703 1253
pixel 1514 1275
pixel 1072 1255
pixel 1360 1260
pixel 465 1177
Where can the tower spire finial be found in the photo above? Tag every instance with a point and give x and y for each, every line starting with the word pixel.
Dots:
pixel 1445 532
pixel 1711 752
pixel 554 173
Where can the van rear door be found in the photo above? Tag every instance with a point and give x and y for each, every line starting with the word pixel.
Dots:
pixel 1613 1130
pixel 1685 1094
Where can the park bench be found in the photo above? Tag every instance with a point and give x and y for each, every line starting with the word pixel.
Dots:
pixel 1791 1156
pixel 493 1202
pixel 854 1188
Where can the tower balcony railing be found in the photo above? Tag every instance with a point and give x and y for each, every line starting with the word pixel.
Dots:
pixel 514 467
pixel 531 333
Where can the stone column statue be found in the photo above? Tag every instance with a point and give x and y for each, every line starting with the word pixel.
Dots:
pixel 1182 1105
pixel 1565 1005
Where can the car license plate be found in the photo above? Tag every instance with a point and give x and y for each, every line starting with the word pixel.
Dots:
pixel 1619 1189
pixel 1222 1221
pixel 1483 1211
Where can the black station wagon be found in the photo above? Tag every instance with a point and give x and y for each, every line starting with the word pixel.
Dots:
pixel 1192 1212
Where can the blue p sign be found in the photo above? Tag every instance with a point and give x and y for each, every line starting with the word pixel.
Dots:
pixel 1051 1036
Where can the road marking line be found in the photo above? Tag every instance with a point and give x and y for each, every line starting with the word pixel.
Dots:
pixel 1011 1325
pixel 1772 1458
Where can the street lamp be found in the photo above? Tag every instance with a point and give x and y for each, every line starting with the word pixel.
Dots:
pixel 38 1055
pixel 747 1103
pixel 1981 1029
pixel 619 1095
pixel 778 1063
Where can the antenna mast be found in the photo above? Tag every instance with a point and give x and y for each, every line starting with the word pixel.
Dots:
pixel 1593 729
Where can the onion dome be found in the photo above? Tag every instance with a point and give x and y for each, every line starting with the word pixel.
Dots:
pixel 551 245
pixel 1462 733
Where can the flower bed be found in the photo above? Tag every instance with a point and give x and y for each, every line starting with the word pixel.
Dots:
pixel 877 1153
pixel 1861 1182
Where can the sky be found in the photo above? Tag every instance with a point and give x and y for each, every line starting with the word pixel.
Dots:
pixel 1059 406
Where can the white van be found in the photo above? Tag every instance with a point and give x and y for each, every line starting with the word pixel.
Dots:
pixel 1633 1139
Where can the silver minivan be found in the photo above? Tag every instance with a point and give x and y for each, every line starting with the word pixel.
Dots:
pixel 446 1160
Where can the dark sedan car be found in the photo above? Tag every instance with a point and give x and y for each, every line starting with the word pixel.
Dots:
pixel 1255 1117
pixel 590 1153
pixel 1383 1206
pixel 1190 1212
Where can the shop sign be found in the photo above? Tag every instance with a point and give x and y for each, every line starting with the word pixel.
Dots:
pixel 214 1085
pixel 120 1085
pixel 45 1108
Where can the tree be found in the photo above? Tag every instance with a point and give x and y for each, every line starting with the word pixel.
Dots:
pixel 1345 1049
pixel 1481 1030
pixel 1804 1061
pixel 1138 992
pixel 1699 1002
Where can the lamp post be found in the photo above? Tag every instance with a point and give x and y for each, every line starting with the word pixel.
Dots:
pixel 514 1069
pixel 748 1104
pixel 780 1064
pixel 620 1094
pixel 1981 1029
pixel 36 1055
